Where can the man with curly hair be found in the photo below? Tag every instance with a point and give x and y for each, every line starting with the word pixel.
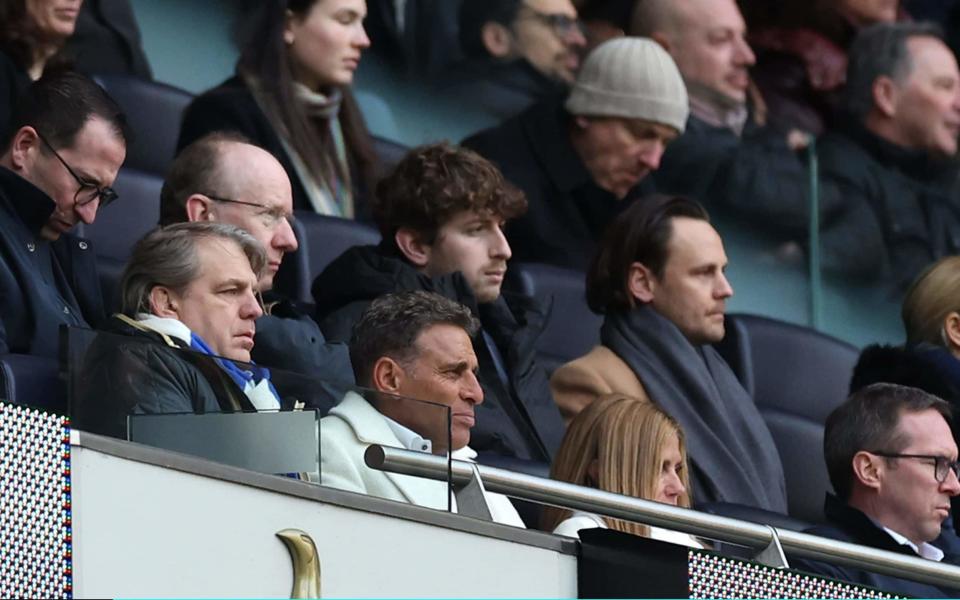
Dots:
pixel 442 212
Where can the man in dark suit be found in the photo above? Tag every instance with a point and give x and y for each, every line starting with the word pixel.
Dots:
pixel 67 143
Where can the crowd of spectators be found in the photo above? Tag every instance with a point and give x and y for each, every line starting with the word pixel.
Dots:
pixel 615 138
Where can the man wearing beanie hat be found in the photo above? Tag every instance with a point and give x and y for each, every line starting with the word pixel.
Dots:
pixel 727 159
pixel 577 161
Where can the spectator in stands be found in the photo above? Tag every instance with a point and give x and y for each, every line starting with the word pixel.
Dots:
pixel 291 96
pixel 890 162
pixel 726 157
pixel 189 286
pixel 593 454
pixel 658 278
pixel 107 40
pixel 519 52
pixel 441 212
pixel 66 147
pixel 222 177
pixel 408 345
pixel 577 162
pixel 32 33
pixel 893 464
pixel 802 57
pixel 415 37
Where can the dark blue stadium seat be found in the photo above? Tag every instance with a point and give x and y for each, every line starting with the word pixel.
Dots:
pixel 32 381
pixel 321 240
pixel 797 376
pixel 137 211
pixel 572 329
pixel 154 111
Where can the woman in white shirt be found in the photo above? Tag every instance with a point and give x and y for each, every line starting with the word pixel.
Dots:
pixel 626 446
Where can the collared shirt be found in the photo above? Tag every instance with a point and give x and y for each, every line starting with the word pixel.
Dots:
pixel 925 550
pixel 410 439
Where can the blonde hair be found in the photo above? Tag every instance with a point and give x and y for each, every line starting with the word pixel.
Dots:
pixel 934 294
pixel 626 437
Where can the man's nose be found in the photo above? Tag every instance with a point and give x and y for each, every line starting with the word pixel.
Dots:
pixel 651 154
pixel 744 53
pixel 501 247
pixel 284 238
pixel 724 289
pixel 575 37
pixel 472 392
pixel 87 212
pixel 251 309
pixel 951 484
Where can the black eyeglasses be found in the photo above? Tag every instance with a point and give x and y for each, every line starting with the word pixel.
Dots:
pixel 941 464
pixel 88 191
pixel 563 25
pixel 275 214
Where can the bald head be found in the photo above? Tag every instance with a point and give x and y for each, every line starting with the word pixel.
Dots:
pixel 221 177
pixel 707 40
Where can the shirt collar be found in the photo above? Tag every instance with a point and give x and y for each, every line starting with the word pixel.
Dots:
pixel 31 204
pixel 926 550
pixel 410 439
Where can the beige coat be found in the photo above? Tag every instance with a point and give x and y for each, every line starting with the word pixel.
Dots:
pixel 598 373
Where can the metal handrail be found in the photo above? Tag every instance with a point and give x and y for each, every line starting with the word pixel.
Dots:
pixel 715 527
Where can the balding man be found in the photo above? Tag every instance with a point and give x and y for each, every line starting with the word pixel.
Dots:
pixel 222 177
pixel 725 157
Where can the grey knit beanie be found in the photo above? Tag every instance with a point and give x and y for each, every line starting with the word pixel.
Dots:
pixel 633 78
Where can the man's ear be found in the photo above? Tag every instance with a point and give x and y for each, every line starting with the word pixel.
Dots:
pixel 387 375
pixel 951 331
pixel 867 469
pixel 199 208
pixel 24 148
pixel 885 94
pixel 413 247
pixel 662 39
pixel 163 303
pixel 497 39
pixel 641 283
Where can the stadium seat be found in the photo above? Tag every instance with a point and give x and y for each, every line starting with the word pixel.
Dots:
pixel 32 381
pixel 137 210
pixel 154 111
pixel 797 376
pixel 389 153
pixel 321 240
pixel 572 329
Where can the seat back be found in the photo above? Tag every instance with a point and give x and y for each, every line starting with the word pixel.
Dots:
pixel 154 111
pixel 32 381
pixel 119 226
pixel 797 376
pixel 321 239
pixel 572 329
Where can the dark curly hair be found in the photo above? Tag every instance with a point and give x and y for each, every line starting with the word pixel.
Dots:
pixel 434 182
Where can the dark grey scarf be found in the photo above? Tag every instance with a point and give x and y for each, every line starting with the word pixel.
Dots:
pixel 732 454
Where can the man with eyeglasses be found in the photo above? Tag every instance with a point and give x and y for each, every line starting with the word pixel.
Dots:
pixel 223 177
pixel 66 144
pixel 518 52
pixel 892 462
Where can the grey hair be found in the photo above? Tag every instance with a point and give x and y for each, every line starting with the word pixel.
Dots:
pixel 869 421
pixel 167 256
pixel 880 51
pixel 392 323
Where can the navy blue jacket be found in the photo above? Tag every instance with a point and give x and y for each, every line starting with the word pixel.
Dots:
pixel 850 525
pixel 42 285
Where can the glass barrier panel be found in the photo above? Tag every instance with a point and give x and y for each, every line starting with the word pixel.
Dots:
pixel 141 389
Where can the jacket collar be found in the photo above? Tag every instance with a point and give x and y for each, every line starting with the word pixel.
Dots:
pixel 917 164
pixel 860 526
pixel 31 205
pixel 547 122
pixel 370 427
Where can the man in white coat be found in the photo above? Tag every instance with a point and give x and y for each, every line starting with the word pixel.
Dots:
pixel 413 350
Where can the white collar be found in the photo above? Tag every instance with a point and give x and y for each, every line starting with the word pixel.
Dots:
pixel 166 326
pixel 410 439
pixel 926 550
